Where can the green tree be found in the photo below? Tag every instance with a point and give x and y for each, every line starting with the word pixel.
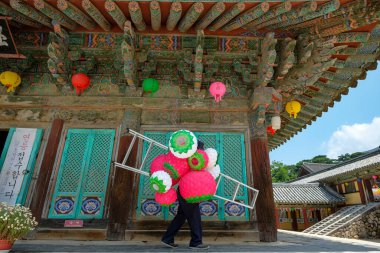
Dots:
pixel 283 173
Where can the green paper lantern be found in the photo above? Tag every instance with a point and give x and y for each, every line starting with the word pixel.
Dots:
pixel 150 85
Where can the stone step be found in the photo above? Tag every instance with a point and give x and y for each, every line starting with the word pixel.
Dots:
pixel 184 235
pixel 142 234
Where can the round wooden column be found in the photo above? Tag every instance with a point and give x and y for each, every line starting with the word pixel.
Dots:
pixel 262 178
pixel 121 200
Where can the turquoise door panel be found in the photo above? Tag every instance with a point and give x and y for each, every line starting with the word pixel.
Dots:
pixel 94 183
pixel 147 207
pixel 83 174
pixel 231 150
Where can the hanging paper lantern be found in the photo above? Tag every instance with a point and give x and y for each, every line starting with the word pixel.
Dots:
pixel 199 160
pixel 276 122
pixel 81 82
pixel 359 180
pixel 150 85
pixel 197 186
pixel 167 198
pixel 293 107
pixel 346 184
pixel 217 90
pixel 10 79
pixel 270 130
pixel 212 157
pixel 183 144
pixel 374 176
pixel 214 171
pixel 176 167
pixel 160 181
pixel 157 163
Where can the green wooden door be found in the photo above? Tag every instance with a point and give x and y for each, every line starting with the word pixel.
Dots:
pixel 83 175
pixel 231 150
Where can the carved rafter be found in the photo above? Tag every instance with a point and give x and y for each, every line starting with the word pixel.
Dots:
pixel 5 10
pixel 115 12
pixel 198 64
pixel 267 60
pixel 312 62
pixel 174 15
pixel 128 54
pixel 30 12
pixel 287 57
pixel 62 62
pixel 58 63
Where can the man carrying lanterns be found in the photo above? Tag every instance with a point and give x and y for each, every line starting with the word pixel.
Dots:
pixel 195 171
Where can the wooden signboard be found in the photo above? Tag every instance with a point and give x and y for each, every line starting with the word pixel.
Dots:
pixel 8 47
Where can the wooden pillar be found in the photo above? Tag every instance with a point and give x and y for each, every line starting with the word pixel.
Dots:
pixel 361 191
pixel 122 195
pixel 305 220
pixel 263 182
pixel 46 169
pixel 262 178
pixel 277 218
pixel 368 186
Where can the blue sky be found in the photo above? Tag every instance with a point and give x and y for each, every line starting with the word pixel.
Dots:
pixel 352 125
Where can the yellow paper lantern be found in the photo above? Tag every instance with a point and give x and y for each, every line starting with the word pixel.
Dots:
pixel 293 107
pixel 10 79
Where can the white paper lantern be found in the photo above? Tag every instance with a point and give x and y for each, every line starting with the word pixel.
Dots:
pixel 212 157
pixel 214 171
pixel 160 181
pixel 276 122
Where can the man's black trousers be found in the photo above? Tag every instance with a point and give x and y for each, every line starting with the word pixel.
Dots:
pixel 191 213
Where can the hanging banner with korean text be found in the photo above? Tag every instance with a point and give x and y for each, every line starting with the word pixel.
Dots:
pixel 15 164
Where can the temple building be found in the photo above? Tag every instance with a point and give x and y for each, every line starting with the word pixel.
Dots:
pixel 76 75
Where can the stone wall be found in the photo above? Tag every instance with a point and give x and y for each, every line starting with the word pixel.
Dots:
pixel 366 227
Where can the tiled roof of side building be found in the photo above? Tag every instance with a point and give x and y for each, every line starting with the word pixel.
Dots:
pixel 315 167
pixel 370 160
pixel 312 194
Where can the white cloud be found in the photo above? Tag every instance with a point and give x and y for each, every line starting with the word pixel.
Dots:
pixel 354 138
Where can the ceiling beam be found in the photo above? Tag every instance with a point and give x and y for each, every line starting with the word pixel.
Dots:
pixel 211 15
pixel 247 17
pixel 136 16
pixel 155 15
pixel 174 15
pixel 227 16
pixel 115 12
pixel 76 15
pixel 5 10
pixel 96 15
pixel 274 12
pixel 54 14
pixel 30 12
pixel 191 17
pixel 324 9
pixel 298 11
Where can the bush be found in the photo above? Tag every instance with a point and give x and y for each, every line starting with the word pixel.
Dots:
pixel 15 222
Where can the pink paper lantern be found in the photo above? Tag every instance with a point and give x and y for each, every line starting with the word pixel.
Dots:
pixel 197 186
pixel 217 90
pixel 374 176
pixel 167 198
pixel 199 160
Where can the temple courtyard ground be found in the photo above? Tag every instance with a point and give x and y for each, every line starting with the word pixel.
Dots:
pixel 287 242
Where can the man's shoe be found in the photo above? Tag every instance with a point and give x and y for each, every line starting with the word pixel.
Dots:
pixel 200 247
pixel 170 244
